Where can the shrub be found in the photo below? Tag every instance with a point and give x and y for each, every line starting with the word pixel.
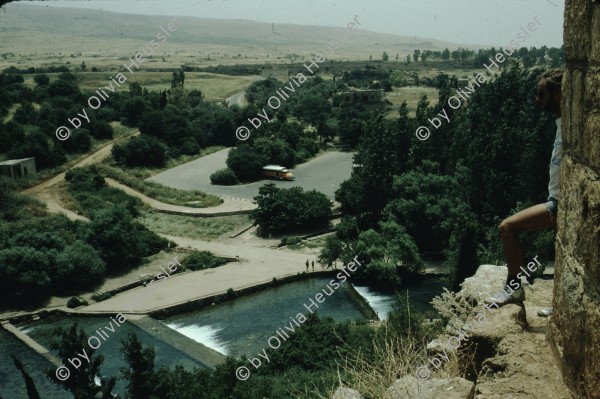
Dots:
pixel 246 162
pixel 41 80
pixel 290 240
pixel 102 297
pixel 202 260
pixel 140 151
pixel 75 302
pixel 224 177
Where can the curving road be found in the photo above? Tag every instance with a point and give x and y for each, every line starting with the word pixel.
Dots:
pixel 324 173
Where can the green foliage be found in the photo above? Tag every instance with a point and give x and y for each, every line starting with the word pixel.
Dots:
pixel 451 191
pixel 136 180
pixel 202 260
pixel 141 150
pixel 78 266
pixel 291 240
pixel 24 275
pixel 100 129
pixel 398 78
pixel 332 251
pixel 41 79
pixel 78 142
pixel 364 77
pixel 275 151
pixel 429 205
pixel 465 262
pixel 47 153
pixel 102 297
pixel 387 257
pixel 142 381
pixel 75 302
pixel 88 188
pixel 246 162
pixel 121 241
pixel 133 109
pixel 32 392
pixel 280 210
pixel 224 177
pixel 81 382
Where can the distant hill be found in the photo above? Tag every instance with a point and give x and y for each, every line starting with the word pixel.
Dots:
pixel 34 30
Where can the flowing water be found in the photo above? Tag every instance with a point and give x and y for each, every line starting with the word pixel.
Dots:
pixel 237 327
pixel 244 325
pixel 42 331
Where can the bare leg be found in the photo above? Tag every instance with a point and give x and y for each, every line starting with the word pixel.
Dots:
pixel 534 218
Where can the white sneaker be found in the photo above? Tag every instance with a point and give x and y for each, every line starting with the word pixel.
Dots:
pixel 504 297
pixel 546 312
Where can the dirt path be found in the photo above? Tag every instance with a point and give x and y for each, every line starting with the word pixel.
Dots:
pixel 46 193
pixel 229 204
pixel 258 263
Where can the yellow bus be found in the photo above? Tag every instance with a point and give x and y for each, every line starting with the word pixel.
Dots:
pixel 277 172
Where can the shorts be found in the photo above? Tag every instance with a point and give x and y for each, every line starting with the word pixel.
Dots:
pixel 552 206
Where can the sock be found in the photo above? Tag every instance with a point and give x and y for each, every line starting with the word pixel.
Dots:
pixel 516 281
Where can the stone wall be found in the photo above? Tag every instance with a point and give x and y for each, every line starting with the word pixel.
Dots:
pixel 575 327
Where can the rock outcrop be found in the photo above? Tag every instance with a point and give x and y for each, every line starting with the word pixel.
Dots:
pixel 575 326
pixel 505 355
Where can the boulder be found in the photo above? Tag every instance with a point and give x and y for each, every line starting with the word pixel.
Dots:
pixel 409 387
pixel 346 393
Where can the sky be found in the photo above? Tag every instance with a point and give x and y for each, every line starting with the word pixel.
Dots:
pixel 487 22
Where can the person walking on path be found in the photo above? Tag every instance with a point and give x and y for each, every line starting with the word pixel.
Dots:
pixel 306 264
pixel 313 265
pixel 537 217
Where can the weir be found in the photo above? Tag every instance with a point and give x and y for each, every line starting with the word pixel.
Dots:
pixel 39 349
pixel 199 352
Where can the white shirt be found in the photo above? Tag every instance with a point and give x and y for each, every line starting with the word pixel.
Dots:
pixel 554 184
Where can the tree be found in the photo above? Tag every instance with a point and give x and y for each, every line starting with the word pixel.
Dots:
pixel 64 88
pixel 41 80
pixel 246 162
pixel 280 210
pixel 81 382
pixel 78 142
pixel 387 256
pixel 32 392
pixel 133 109
pixel 152 123
pixel 139 373
pixel 122 242
pixel 446 55
pixel 466 262
pixel 416 55
pixel 142 150
pixel 101 130
pixel 47 153
pixel 78 265
pixel 194 98
pixel 135 89
pixel 178 79
pixel 331 252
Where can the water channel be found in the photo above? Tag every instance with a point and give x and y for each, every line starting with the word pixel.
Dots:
pixel 237 327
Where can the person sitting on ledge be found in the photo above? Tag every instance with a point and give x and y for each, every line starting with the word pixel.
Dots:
pixel 537 217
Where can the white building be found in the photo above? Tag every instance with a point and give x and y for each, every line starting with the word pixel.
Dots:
pixel 15 168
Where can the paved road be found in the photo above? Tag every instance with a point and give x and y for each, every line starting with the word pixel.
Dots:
pixel 324 174
pixel 238 99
